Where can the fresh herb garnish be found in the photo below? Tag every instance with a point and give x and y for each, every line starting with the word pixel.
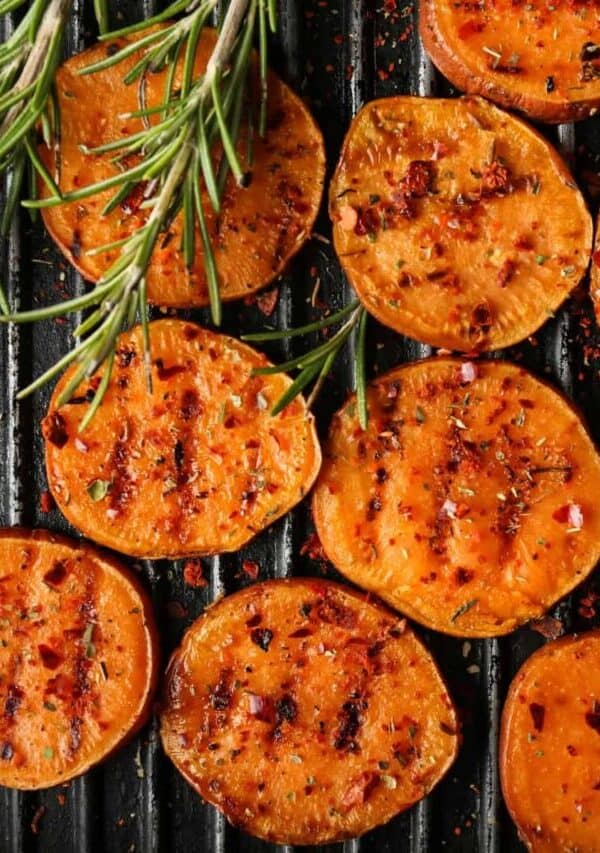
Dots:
pixel 317 363
pixel 98 489
pixel 173 157
pixel 86 640
pixel 464 608
pixel 28 62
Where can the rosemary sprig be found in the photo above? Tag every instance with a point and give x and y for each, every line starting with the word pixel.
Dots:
pixel 174 162
pixel 101 10
pixel 317 363
pixel 28 62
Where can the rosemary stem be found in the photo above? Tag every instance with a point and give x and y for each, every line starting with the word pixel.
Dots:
pixel 54 15
pixel 174 156
pixel 361 378
pixel 226 41
pixel 323 374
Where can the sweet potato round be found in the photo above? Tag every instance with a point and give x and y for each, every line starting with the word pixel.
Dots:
pixel 78 657
pixel 541 58
pixel 198 466
pixel 306 713
pixel 457 223
pixel 550 747
pixel 260 228
pixel 470 503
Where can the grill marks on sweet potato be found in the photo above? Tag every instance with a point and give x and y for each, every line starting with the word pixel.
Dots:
pixel 253 241
pixel 550 746
pixel 321 735
pixel 541 58
pixel 469 502
pixel 198 466
pixel 463 227
pixel 77 655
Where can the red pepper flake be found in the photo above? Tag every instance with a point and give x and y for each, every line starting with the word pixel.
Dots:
pixel 368 222
pixel 46 502
pixel 176 610
pixel 50 658
pixel 166 373
pixel 587 609
pixel 523 243
pixel 538 713
pixel 592 717
pixel 251 569
pixel 470 28
pixel 359 789
pixel 549 627
pixel 54 429
pixel 418 180
pixel 570 514
pixel 506 273
pixel 132 203
pixel 267 302
pixel 193 573
pixel 35 822
pixel 495 179
pixel 481 317
pixel 261 637
pixel 313 548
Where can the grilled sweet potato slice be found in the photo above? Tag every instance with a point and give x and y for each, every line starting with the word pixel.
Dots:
pixel 198 466
pixel 306 713
pixel 550 747
pixel 541 58
pixel 78 657
pixel 470 503
pixel 259 228
pixel 457 224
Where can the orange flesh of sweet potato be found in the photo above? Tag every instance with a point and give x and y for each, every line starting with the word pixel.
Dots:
pixel 198 466
pixel 78 658
pixel 541 58
pixel 470 503
pixel 259 228
pixel 550 747
pixel 306 713
pixel 457 224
